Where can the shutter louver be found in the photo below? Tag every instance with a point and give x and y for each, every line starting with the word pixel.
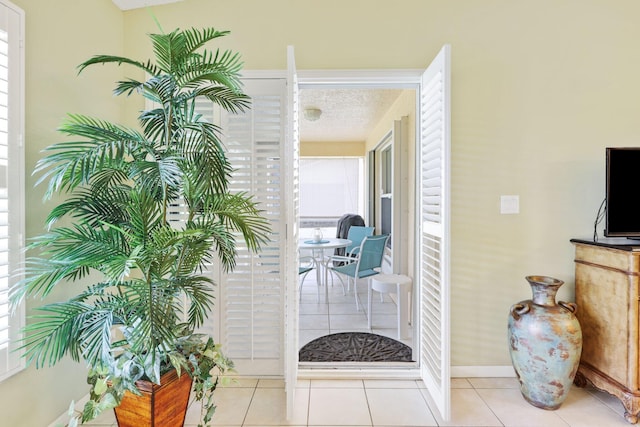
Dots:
pixel 434 220
pixel 11 183
pixel 251 298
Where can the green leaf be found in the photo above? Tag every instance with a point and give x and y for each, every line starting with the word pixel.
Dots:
pixel 101 386
pixel 108 402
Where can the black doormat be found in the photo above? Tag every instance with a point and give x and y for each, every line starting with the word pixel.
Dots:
pixel 355 347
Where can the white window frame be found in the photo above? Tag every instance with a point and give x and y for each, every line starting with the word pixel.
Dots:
pixel 12 20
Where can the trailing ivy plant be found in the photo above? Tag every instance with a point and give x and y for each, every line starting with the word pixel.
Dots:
pixel 145 290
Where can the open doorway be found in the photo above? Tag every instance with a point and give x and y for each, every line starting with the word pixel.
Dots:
pixel 344 169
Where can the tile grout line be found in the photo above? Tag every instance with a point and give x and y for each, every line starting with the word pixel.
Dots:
pixel 366 396
pixel 308 404
pixel 253 395
pixel 426 402
pixel 475 390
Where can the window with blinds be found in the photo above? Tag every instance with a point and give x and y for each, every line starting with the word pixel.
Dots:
pixel 11 181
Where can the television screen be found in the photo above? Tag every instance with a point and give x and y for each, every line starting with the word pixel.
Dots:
pixel 623 192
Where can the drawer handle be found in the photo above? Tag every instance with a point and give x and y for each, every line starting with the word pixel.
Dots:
pixel 519 309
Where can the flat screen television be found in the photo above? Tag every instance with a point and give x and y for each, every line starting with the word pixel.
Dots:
pixel 622 216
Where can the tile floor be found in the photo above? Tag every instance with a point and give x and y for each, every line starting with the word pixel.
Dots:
pixel 482 402
pixel 318 318
pixel 475 402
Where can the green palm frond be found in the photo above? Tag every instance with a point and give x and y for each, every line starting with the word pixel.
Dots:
pixel 70 254
pixel 154 123
pixel 231 100
pixel 162 89
pixel 55 334
pixel 92 206
pixel 197 289
pixel 159 174
pixel 73 163
pixel 221 67
pixel 195 38
pixel 127 87
pixel 169 50
pixel 240 213
pixel 153 314
pixel 145 216
pixel 42 275
pixel 172 50
pixel 149 67
pixel 95 334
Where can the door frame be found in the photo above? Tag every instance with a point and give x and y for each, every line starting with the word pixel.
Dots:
pixel 366 79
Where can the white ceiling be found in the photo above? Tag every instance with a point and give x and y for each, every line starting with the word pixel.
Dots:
pixel 347 114
pixel 136 4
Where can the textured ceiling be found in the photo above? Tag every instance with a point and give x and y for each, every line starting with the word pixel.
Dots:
pixel 347 114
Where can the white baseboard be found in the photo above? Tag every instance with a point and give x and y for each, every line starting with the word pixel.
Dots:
pixel 482 371
pixel 63 419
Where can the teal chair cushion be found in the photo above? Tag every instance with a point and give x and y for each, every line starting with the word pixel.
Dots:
pixel 350 270
pixel 303 270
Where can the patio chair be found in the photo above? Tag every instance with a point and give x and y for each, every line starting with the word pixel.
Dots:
pixel 356 235
pixel 366 264
pixel 345 223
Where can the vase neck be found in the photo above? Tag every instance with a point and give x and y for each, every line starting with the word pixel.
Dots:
pixel 544 289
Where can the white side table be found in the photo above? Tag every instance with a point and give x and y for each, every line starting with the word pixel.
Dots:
pixel 401 285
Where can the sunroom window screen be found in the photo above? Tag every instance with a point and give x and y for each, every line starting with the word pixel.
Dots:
pixel 330 187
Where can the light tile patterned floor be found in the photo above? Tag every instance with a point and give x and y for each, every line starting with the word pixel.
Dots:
pixel 476 402
pixel 339 313
pixel 382 403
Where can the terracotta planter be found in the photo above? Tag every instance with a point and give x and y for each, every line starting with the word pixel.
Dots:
pixel 545 342
pixel 163 405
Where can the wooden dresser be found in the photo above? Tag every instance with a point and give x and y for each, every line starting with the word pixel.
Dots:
pixel 607 295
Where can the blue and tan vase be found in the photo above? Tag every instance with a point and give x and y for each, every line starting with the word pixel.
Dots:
pixel 545 343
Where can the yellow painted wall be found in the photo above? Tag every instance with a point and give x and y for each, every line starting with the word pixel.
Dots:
pixel 332 149
pixel 59 36
pixel 540 88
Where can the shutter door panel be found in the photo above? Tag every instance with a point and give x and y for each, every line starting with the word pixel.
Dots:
pixel 434 234
pixel 292 189
pixel 252 296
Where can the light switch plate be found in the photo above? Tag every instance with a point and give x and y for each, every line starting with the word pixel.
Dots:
pixel 509 204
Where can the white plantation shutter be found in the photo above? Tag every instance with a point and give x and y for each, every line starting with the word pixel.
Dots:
pixel 292 189
pixel 11 180
pixel 251 297
pixel 434 234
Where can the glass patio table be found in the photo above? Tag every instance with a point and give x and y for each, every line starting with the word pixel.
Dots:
pixel 317 251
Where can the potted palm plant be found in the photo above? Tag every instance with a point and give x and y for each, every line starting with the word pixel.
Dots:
pixel 144 290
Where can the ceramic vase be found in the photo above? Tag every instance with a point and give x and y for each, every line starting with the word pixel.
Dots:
pixel 545 343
